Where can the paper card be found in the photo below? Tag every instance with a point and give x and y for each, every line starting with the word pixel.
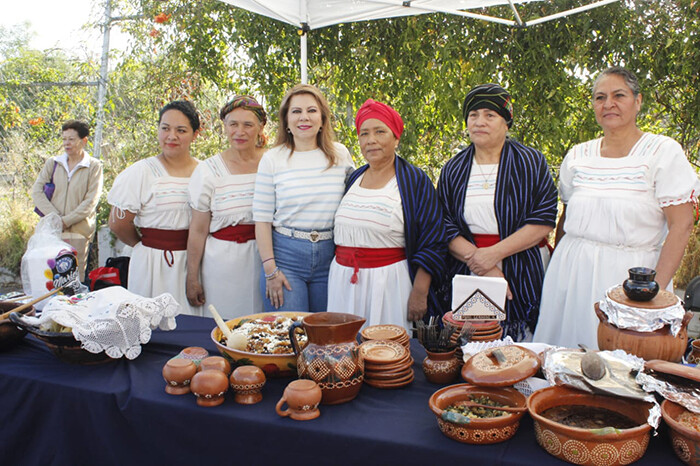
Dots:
pixel 464 286
pixel 478 306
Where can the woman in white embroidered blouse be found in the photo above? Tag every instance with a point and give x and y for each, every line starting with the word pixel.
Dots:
pixel 221 245
pixel 628 201
pixel 152 194
pixel 298 188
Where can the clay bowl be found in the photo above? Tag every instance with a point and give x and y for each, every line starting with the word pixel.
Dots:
pixel 660 344
pixel 685 441
pixel 478 431
pixel 64 345
pixel 273 365
pixel 10 333
pixel 590 446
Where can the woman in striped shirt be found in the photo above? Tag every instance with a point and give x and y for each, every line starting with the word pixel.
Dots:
pixel 298 188
pixel 500 203
pixel 389 235
pixel 628 202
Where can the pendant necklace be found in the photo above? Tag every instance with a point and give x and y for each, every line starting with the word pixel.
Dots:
pixel 486 184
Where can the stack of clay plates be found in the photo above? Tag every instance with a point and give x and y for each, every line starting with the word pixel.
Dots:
pixel 387 332
pixel 484 330
pixel 387 364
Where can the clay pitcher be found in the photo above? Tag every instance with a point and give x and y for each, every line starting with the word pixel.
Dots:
pixel 331 357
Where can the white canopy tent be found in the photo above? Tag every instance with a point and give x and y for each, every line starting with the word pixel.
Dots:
pixel 314 14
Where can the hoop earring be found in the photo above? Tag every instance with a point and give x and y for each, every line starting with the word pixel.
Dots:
pixel 289 131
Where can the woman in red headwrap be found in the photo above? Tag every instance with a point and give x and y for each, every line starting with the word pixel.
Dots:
pixel 389 235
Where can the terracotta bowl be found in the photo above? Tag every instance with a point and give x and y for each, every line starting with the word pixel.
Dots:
pixel 64 345
pixel 685 441
pixel 478 431
pixel 274 365
pixel 590 446
pixel 10 333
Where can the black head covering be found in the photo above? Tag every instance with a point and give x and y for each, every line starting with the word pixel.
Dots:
pixel 490 96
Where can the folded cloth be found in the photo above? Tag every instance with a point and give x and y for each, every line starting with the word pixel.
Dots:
pixel 112 320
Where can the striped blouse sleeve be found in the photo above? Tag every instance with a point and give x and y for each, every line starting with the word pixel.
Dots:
pixel 264 198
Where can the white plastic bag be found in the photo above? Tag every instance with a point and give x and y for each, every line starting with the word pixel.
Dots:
pixel 49 262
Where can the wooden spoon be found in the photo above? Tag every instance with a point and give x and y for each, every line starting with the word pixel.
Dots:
pixel 30 303
pixel 510 409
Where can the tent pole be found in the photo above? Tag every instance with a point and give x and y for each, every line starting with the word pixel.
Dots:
pixel 304 74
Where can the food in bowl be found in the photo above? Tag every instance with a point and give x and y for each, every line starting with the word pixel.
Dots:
pixel 690 420
pixel 266 335
pixel 685 438
pixel 273 364
pixel 588 417
pixel 477 412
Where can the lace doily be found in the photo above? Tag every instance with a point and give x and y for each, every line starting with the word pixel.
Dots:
pixel 112 319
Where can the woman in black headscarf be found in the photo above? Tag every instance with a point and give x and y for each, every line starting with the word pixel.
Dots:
pixel 500 203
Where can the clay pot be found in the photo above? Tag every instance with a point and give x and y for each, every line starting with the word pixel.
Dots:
pixel 641 285
pixel 659 344
pixel 331 357
pixel 694 356
pixel 209 387
pixel 302 398
pixel 194 354
pixel 178 374
pixel 477 431
pixel 590 446
pixel 247 382
pixel 685 441
pixel 441 368
pixel 216 363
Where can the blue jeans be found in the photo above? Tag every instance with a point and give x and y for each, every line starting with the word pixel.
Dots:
pixel 305 264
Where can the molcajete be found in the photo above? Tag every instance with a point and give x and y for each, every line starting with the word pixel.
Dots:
pixel 659 344
pixel 331 358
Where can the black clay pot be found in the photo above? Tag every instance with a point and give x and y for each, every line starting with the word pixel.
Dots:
pixel 641 285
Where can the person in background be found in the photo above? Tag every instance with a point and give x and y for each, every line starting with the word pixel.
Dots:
pixel 500 204
pixel 221 246
pixel 628 202
pixel 152 195
pixel 389 233
pixel 77 177
pixel 298 188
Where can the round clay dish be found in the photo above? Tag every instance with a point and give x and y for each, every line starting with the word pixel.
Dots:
pixel 484 370
pixel 383 332
pixel 382 351
pixel 662 300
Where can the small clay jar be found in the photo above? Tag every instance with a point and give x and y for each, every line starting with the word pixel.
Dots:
pixel 216 363
pixel 441 368
pixel 194 354
pixel 247 382
pixel 178 373
pixel 694 356
pixel 209 387
pixel 302 397
pixel 640 286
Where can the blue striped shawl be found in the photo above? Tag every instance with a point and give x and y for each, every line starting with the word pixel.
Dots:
pixel 525 194
pixel 423 226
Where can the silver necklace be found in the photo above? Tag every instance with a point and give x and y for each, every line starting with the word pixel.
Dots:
pixel 486 184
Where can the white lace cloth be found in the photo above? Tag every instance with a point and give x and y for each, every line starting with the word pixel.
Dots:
pixel 112 320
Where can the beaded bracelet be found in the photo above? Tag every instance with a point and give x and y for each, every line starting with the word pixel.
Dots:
pixel 268 260
pixel 271 275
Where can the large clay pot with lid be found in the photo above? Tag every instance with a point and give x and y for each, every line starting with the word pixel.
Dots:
pixel 659 344
pixel 331 358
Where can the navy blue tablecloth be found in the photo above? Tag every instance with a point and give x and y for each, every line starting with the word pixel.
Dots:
pixel 118 413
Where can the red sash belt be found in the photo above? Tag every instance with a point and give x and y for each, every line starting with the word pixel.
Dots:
pixel 237 233
pixel 484 241
pixel 165 240
pixel 367 258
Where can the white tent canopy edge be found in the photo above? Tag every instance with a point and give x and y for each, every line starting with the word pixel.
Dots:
pixel 314 14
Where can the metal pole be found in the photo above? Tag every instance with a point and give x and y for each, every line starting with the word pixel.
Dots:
pixel 102 83
pixel 304 29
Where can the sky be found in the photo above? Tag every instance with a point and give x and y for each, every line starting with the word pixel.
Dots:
pixel 55 24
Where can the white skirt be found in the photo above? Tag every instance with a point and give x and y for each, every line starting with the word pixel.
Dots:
pixel 231 277
pixel 578 276
pixel 150 275
pixel 380 294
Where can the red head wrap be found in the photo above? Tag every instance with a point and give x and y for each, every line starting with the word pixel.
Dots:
pixel 383 113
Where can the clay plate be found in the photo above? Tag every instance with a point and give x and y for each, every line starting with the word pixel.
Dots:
pixel 383 332
pixel 382 351
pixel 662 300
pixel 389 385
pixel 671 368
